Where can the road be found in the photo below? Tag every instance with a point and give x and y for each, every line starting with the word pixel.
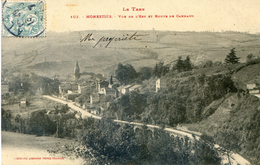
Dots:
pixel 84 113
pixel 237 159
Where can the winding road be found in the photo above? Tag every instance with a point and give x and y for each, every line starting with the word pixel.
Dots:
pixel 236 158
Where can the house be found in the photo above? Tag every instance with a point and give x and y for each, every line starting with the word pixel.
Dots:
pixel 83 88
pixel 23 102
pixel 135 87
pixel 108 92
pixel 82 99
pixel 160 84
pixel 74 88
pixel 94 110
pixel 71 96
pixel 63 88
pixel 250 86
pixel 94 98
pixel 85 105
pixel 113 82
pixel 254 91
pixel 69 88
pixel 70 92
pixel 124 89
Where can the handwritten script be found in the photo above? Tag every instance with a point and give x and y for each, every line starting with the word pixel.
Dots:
pixel 127 37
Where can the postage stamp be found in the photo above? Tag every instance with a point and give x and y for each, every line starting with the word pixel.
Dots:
pixel 23 18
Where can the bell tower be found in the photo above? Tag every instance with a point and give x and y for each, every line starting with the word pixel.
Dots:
pixel 76 71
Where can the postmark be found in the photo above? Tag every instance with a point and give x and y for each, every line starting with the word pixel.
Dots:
pixel 23 19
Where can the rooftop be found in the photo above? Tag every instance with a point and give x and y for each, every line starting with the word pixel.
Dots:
pixel 135 87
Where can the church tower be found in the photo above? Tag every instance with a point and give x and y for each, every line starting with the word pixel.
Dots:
pixel 76 72
pixel 110 82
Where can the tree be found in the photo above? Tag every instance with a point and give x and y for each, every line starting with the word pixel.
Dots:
pixel 231 57
pixel 155 70
pixel 40 123
pixel 161 69
pixel 187 64
pixel 64 108
pixel 6 119
pixel 179 64
pixel 125 73
pixel 131 71
pixel 122 74
pixel 136 102
pixel 108 143
pixel 146 73
pixel 206 152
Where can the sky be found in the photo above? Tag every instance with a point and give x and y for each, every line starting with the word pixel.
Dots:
pixel 209 15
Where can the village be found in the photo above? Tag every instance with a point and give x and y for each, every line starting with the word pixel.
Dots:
pixel 92 95
pixel 95 96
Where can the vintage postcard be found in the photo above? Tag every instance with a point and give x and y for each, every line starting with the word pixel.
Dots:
pixel 140 82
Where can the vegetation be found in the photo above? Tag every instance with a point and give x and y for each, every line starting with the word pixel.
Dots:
pixel 125 73
pixel 29 84
pixel 108 143
pixel 252 59
pixel 183 65
pixel 59 121
pixel 181 102
pixel 6 117
pixel 231 57
pixel 243 129
pixel 160 69
pixel 191 96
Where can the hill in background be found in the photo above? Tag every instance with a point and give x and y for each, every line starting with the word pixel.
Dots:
pixel 58 52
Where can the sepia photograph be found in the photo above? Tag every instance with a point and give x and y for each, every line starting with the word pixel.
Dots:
pixel 121 82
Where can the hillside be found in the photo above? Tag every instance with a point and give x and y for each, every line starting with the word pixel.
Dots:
pixel 236 114
pixel 58 52
pixel 211 101
pixel 220 116
pixel 247 75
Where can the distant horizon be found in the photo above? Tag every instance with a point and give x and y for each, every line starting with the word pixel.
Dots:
pixel 205 31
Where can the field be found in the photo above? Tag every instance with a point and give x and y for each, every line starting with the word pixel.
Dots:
pixel 58 52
